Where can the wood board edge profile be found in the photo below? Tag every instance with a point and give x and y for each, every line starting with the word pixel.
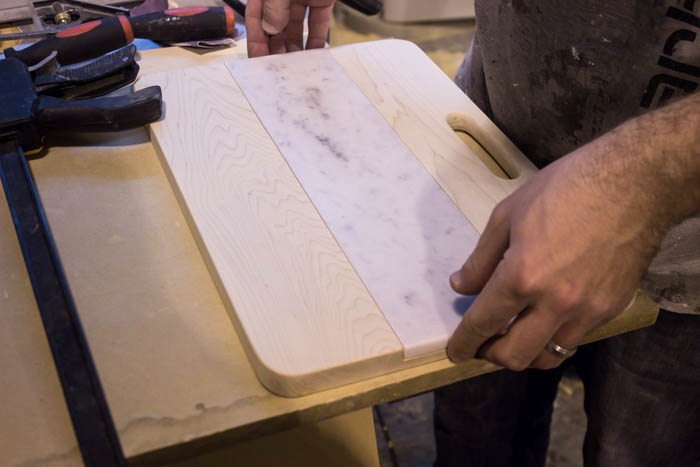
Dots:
pixel 642 312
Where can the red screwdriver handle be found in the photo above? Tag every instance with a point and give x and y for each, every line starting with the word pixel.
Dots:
pixel 81 42
pixel 95 38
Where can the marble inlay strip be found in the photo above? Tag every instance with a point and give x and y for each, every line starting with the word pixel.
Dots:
pixel 399 229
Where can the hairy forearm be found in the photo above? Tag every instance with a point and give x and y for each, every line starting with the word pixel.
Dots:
pixel 566 251
pixel 671 138
pixel 653 161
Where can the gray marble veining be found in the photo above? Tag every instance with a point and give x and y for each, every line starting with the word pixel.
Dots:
pixel 399 229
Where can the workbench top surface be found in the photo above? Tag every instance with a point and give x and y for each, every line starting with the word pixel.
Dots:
pixel 176 377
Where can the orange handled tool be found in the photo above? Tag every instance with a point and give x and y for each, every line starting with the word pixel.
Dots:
pixel 92 39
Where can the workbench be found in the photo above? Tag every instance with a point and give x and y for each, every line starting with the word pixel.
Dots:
pixel 175 374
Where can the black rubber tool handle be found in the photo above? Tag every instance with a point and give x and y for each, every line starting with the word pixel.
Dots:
pixel 96 69
pixel 95 38
pixel 102 113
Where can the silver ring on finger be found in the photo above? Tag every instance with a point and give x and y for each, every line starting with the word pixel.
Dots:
pixel 559 351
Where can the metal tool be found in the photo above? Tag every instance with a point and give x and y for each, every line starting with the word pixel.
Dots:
pixel 92 39
pixel 48 17
pixel 30 34
pixel 25 117
pixel 53 12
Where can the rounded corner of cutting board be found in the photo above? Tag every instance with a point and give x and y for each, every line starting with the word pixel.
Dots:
pixel 401 43
pixel 308 381
pixel 269 369
pixel 282 383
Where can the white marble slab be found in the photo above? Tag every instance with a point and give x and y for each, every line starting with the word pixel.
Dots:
pixel 399 229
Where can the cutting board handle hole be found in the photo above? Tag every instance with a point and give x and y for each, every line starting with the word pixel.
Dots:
pixel 465 128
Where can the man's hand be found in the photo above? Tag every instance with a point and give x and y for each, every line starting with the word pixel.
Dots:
pixel 277 26
pixel 566 252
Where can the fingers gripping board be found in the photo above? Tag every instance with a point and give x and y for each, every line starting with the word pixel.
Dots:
pixel 331 200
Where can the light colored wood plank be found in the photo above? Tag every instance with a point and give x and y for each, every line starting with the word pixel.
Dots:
pixel 421 103
pixel 307 319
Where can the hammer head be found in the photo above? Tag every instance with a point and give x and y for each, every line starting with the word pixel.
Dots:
pixel 18 104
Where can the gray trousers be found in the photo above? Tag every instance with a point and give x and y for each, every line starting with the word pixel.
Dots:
pixel 642 401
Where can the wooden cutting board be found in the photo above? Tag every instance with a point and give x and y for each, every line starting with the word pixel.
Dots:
pixel 331 198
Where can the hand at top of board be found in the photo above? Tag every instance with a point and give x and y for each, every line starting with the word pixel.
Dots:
pixel 277 26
